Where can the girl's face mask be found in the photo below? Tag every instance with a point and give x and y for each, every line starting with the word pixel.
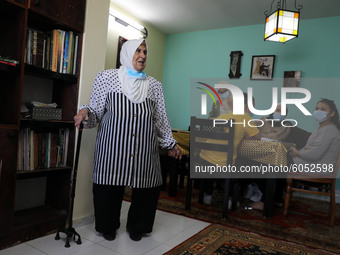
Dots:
pixel 320 116
pixel 224 95
pixel 278 116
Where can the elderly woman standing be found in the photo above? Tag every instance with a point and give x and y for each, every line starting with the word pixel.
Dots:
pixel 133 124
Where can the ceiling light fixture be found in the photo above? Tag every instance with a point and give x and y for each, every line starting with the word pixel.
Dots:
pixel 126 22
pixel 282 25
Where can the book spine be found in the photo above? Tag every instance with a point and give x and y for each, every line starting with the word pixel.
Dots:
pixel 54 150
pixel 34 47
pixel 48 150
pixel 43 64
pixel 51 51
pixel 75 55
pixel 26 149
pixel 29 47
pixel 61 50
pixel 70 53
pixel 47 53
pixel 60 147
pixel 66 47
pixel 66 140
pixel 20 149
pixel 55 50
pixel 36 149
pixel 40 49
pixel 31 158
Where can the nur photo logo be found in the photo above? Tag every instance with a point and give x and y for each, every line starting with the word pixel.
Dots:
pixel 238 100
pixel 204 97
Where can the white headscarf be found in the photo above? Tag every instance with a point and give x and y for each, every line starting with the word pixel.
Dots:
pixel 134 88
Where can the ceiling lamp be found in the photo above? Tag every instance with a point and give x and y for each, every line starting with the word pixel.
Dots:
pixel 282 25
pixel 128 23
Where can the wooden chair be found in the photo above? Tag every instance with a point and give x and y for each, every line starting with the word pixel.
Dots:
pixel 326 187
pixel 200 130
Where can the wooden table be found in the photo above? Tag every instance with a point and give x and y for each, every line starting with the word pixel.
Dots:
pixel 273 153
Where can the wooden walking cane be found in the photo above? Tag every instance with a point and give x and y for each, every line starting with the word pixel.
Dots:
pixel 69 230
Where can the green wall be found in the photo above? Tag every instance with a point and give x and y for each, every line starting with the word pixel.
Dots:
pixel 205 55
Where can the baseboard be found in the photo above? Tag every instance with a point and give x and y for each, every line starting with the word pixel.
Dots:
pixel 83 221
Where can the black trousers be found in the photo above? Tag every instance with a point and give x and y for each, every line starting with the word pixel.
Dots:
pixel 108 203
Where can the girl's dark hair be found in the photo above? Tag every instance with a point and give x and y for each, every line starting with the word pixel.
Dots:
pixel 332 107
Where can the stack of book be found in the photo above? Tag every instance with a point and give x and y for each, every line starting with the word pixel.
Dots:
pixel 9 61
pixel 41 150
pixel 55 50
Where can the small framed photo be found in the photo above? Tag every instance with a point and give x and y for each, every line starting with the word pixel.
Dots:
pixel 292 79
pixel 235 64
pixel 262 67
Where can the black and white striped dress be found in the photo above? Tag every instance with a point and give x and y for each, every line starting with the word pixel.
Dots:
pixel 129 134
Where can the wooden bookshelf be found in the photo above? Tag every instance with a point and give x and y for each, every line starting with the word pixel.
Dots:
pixel 9 68
pixel 17 17
pixel 22 174
pixel 43 73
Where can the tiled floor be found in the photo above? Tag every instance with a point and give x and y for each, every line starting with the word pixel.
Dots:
pixel 169 231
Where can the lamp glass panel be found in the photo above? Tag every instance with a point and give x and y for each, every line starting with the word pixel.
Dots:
pixel 271 24
pixel 280 38
pixel 296 24
pixel 288 22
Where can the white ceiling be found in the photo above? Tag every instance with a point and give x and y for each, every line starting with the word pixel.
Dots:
pixel 176 16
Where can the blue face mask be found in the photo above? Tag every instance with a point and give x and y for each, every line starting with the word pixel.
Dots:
pixel 320 116
pixel 224 95
pixel 278 116
pixel 133 74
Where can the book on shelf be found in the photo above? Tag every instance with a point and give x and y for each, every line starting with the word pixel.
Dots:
pixel 53 150
pixel 70 53
pixel 55 50
pixel 8 61
pixel 48 52
pixel 65 57
pixel 38 42
pixel 32 151
pixel 74 67
pixel 28 58
pixel 61 51
pixel 41 150
pixel 63 140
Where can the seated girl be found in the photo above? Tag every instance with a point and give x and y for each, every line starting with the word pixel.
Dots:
pixel 323 145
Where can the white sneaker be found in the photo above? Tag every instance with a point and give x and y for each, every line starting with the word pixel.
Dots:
pixel 230 203
pixel 250 191
pixel 207 199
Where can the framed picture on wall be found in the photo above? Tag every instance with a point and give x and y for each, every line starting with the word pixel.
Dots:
pixel 235 64
pixel 121 41
pixel 262 67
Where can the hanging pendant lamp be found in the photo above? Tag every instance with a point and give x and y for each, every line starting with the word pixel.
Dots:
pixel 282 25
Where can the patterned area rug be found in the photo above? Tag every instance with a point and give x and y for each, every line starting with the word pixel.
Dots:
pixel 218 240
pixel 307 222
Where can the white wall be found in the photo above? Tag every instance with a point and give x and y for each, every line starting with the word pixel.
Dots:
pixel 93 61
